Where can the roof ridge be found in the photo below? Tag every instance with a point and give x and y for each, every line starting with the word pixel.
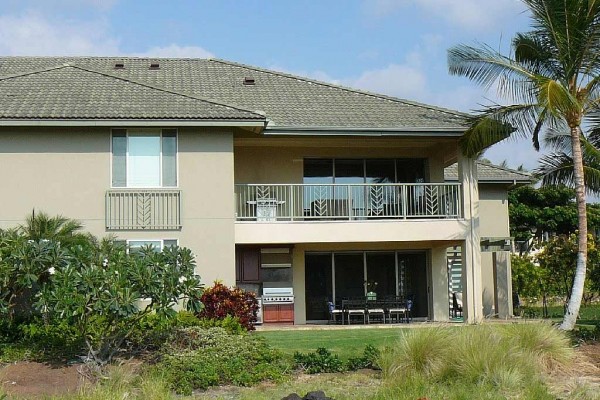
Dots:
pixel 340 87
pixel 504 168
pixel 162 89
pixel 34 71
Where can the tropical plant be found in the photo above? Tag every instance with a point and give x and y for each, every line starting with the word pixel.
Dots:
pixel 220 301
pixel 551 83
pixel 40 226
pixel 106 298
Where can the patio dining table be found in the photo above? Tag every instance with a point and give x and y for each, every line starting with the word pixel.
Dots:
pixel 385 308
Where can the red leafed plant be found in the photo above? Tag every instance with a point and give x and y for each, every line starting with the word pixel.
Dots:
pixel 220 301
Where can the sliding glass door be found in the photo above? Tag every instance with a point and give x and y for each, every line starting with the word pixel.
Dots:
pixel 335 276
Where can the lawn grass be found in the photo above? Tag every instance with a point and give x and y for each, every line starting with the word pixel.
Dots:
pixel 345 343
pixel 589 315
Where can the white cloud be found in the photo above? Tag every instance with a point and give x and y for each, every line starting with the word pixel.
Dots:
pixel 33 34
pixel 401 80
pixel 176 51
pixel 474 15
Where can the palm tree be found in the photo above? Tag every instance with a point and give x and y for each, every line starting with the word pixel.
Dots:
pixel 550 81
pixel 556 168
pixel 67 231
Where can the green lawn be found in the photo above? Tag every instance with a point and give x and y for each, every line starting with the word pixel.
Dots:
pixel 344 342
pixel 589 315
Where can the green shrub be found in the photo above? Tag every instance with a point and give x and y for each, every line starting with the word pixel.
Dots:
pixel 367 360
pixel 220 301
pixel 586 334
pixel 56 339
pixel 197 358
pixel 319 361
pixel 230 324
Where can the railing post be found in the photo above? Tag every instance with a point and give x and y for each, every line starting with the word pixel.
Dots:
pixel 349 202
pixel 291 204
pixel 404 201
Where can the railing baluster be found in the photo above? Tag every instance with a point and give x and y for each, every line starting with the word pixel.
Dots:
pixel 292 202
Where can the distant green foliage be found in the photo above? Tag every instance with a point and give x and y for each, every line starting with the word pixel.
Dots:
pixel 558 258
pixel 528 279
pixel 533 211
pixel 198 358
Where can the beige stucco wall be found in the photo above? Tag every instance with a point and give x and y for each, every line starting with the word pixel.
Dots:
pixel 493 211
pixel 284 164
pixel 67 171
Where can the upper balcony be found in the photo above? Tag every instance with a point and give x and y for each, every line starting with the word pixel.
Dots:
pixel 268 203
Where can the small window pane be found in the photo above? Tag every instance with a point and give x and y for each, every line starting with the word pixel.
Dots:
pixel 169 160
pixel 119 158
pixel 169 242
pixel 136 245
pixel 144 160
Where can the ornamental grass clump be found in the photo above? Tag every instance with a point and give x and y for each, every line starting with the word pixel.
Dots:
pixel 418 351
pixel 505 360
pixel 542 342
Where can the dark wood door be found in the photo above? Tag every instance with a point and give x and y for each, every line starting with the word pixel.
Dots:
pixel 247 264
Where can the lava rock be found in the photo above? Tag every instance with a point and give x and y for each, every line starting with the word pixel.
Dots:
pixel 316 395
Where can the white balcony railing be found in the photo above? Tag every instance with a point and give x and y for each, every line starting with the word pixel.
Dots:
pixel 298 202
pixel 137 209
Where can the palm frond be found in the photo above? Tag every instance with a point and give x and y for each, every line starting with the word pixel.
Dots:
pixel 487 67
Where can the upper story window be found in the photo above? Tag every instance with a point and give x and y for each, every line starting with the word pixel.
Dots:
pixel 144 158
pixel 352 171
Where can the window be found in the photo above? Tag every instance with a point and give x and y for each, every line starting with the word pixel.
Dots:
pixel 349 171
pixel 158 245
pixel 144 158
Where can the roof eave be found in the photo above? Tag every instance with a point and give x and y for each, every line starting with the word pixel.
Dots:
pixel 134 122
pixel 354 131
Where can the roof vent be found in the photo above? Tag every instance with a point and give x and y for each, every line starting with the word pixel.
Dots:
pixel 155 66
pixel 119 65
pixel 249 81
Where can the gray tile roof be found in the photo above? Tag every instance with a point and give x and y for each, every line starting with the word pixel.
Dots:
pixel 490 173
pixel 71 92
pixel 287 101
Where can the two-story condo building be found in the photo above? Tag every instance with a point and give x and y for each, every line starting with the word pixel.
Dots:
pixel 274 181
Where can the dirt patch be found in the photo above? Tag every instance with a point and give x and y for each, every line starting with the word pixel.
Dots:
pixel 581 378
pixel 36 380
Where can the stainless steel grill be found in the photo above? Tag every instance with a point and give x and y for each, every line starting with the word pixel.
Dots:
pixel 278 296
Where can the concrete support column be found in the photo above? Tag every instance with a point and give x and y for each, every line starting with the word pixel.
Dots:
pixel 471 249
pixel 298 278
pixel 503 279
pixel 439 284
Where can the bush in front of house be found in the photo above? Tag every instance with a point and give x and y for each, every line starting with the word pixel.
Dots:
pixel 220 301
pixel 105 291
pixel 323 361
pixel 198 358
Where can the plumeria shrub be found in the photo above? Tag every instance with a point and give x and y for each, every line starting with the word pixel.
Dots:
pixel 220 301
pixel 25 264
pixel 105 291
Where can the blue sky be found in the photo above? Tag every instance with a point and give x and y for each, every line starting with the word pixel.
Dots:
pixel 395 47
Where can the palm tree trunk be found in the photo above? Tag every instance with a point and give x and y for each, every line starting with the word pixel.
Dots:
pixel 574 303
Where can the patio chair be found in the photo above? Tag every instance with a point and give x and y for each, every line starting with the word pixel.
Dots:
pixel 398 309
pixel 457 304
pixel 374 308
pixel 356 308
pixel 334 312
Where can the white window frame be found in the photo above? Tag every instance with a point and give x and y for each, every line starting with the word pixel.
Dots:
pixel 162 242
pixel 149 131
